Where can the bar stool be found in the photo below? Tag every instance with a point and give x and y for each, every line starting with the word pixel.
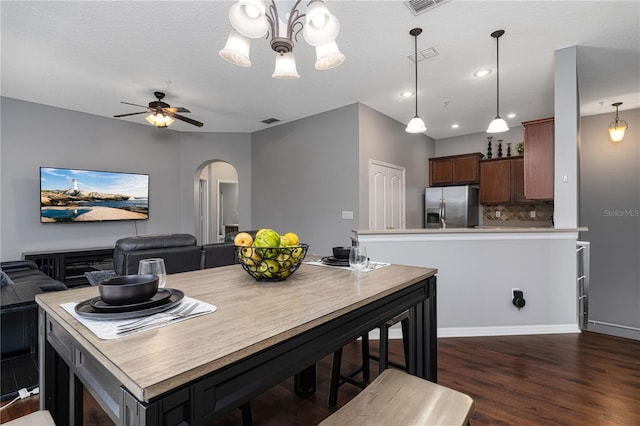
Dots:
pixel 398 398
pixel 337 379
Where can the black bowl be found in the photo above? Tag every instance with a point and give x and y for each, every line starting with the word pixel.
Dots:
pixel 341 252
pixel 128 289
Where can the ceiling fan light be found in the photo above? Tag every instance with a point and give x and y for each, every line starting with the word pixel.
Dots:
pixel 416 125
pixel 248 18
pixel 498 125
pixel 159 120
pixel 328 56
pixel 617 129
pixel 285 67
pixel 236 51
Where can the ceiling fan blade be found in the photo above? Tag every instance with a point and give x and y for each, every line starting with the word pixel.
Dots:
pixel 185 119
pixel 131 113
pixel 176 109
pixel 129 103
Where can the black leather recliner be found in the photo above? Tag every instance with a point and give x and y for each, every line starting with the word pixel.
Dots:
pixel 179 251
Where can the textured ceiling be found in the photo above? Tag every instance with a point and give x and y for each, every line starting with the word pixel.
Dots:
pixel 89 55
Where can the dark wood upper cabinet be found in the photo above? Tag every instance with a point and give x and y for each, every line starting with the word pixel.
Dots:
pixel 502 181
pixel 455 170
pixel 538 159
pixel 495 181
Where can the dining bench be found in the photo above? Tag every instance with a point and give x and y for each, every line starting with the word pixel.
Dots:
pixel 398 398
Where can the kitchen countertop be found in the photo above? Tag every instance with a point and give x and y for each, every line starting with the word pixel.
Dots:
pixel 476 230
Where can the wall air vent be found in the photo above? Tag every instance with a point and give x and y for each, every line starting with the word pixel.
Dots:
pixel 423 54
pixel 270 120
pixel 421 6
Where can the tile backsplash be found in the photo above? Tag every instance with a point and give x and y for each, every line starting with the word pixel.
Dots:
pixel 518 215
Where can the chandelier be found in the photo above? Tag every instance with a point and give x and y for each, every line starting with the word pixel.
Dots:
pixel 252 19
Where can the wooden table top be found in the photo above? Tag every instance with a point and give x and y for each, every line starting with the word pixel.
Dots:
pixel 251 316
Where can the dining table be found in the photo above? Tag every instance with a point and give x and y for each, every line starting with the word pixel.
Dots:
pixel 194 371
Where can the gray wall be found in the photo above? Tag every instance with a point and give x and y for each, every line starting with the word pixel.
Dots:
pixel 305 173
pixel 34 135
pixel 477 142
pixel 384 139
pixel 610 208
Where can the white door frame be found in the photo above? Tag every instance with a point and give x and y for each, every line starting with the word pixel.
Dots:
pixel 219 203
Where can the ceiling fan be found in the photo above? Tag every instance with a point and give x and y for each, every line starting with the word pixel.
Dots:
pixel 161 114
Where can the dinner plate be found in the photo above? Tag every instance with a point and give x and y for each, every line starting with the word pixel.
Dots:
pixel 158 299
pixel 334 261
pixel 85 308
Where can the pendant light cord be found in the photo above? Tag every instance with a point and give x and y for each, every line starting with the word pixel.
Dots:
pixel 497 76
pixel 415 60
pixel 415 33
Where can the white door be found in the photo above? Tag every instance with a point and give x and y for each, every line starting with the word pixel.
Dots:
pixel 386 196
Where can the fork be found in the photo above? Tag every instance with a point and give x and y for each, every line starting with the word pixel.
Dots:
pixel 162 320
pixel 175 311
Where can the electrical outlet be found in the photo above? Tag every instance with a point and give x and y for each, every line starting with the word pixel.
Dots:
pixel 498 213
pixel 532 213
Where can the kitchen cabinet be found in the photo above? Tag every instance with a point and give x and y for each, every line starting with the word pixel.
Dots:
pixel 461 169
pixel 538 159
pixel 502 181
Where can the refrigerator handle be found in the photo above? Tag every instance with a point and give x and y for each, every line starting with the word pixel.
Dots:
pixel 443 214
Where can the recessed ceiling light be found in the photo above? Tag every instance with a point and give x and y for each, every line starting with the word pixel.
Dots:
pixel 455 126
pixel 511 115
pixel 407 93
pixel 482 73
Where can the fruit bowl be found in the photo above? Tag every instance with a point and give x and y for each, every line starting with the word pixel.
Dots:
pixel 271 263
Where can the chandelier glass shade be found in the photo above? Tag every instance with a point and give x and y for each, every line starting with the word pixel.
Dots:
pixel 252 19
pixel 497 125
pixel 416 125
pixel 617 127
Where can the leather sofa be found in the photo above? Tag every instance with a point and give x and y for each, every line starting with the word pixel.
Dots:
pixel 21 282
pixel 179 251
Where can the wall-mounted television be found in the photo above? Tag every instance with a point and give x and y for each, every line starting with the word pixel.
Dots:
pixel 75 195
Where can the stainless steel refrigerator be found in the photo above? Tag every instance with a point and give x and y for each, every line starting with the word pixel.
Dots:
pixel 451 207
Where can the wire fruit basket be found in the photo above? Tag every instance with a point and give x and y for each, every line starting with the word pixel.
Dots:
pixel 271 264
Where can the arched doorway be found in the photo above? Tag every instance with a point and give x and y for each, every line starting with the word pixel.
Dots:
pixel 216 201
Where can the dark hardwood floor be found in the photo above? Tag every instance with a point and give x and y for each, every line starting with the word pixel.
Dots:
pixel 561 379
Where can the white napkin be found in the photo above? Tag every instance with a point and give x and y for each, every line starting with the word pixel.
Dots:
pixel 107 329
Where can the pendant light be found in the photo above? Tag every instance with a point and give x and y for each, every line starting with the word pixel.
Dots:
pixel 498 125
pixel 416 125
pixel 617 127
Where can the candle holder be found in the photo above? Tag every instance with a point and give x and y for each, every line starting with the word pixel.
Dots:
pixel 508 149
pixel 489 139
pixel 499 148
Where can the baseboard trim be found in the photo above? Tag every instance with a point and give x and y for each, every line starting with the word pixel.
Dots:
pixel 396 333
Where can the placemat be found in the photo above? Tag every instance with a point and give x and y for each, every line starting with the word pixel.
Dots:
pixel 372 265
pixel 108 329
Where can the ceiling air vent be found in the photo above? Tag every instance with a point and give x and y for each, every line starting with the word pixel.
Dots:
pixel 421 6
pixel 270 120
pixel 423 54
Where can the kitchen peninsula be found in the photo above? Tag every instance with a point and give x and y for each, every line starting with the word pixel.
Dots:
pixel 478 268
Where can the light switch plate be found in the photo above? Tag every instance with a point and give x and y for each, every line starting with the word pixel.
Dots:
pixel 346 214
